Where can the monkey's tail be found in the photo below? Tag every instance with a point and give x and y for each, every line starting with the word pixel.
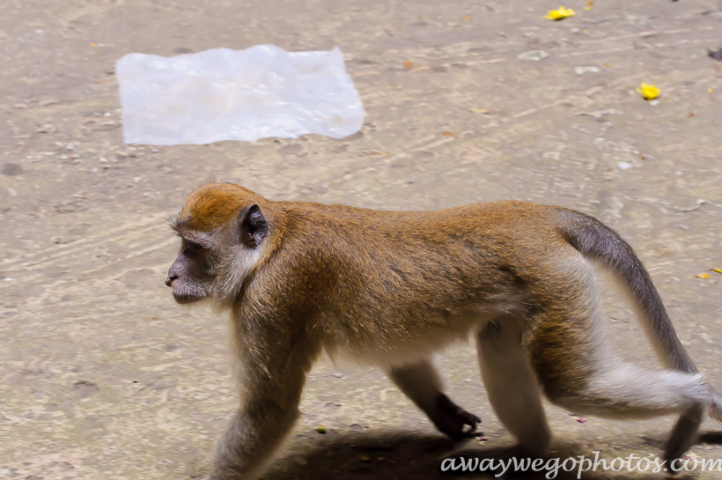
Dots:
pixel 595 240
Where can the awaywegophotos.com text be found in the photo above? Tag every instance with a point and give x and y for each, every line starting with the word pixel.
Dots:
pixel 578 465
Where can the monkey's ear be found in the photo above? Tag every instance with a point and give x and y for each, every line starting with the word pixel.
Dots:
pixel 254 226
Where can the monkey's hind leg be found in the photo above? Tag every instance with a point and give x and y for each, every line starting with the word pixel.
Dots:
pixel 580 373
pixel 421 383
pixel 627 391
pixel 512 386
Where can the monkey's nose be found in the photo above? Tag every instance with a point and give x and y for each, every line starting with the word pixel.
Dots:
pixel 169 280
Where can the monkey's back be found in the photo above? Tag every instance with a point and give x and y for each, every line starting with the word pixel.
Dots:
pixel 382 279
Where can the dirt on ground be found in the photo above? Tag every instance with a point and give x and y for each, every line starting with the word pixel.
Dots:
pixel 103 376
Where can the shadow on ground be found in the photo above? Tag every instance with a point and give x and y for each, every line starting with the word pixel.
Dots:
pixel 408 456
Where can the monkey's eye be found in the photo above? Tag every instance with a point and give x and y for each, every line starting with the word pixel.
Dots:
pixel 196 246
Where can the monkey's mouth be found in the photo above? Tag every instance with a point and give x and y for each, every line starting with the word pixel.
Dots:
pixel 186 297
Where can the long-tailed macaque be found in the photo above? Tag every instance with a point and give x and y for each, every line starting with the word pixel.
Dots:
pixel 392 288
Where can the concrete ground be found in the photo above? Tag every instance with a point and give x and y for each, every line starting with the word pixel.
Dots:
pixel 103 376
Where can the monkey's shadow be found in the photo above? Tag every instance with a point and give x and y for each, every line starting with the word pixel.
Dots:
pixel 391 455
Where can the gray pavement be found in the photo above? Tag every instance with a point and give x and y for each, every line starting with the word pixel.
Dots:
pixel 103 376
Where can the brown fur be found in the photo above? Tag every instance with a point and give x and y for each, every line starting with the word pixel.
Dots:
pixel 213 206
pixel 390 288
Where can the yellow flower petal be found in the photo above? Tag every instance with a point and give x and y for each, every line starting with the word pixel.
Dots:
pixel 702 275
pixel 649 92
pixel 559 14
pixel 718 270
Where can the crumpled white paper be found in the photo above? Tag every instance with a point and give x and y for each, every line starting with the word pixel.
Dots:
pixel 224 94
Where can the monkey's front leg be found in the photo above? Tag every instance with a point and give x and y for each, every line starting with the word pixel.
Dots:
pixel 272 379
pixel 252 436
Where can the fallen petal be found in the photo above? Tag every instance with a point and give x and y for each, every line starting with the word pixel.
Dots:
pixel 559 13
pixel 649 92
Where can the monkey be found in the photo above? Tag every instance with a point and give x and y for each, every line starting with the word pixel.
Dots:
pixel 390 289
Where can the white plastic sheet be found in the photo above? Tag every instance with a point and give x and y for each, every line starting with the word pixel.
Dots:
pixel 224 94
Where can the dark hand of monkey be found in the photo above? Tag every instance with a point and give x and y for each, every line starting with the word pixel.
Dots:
pixel 451 419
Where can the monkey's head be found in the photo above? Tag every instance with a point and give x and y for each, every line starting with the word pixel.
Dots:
pixel 222 231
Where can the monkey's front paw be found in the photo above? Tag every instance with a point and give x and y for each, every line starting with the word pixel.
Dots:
pixel 453 420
